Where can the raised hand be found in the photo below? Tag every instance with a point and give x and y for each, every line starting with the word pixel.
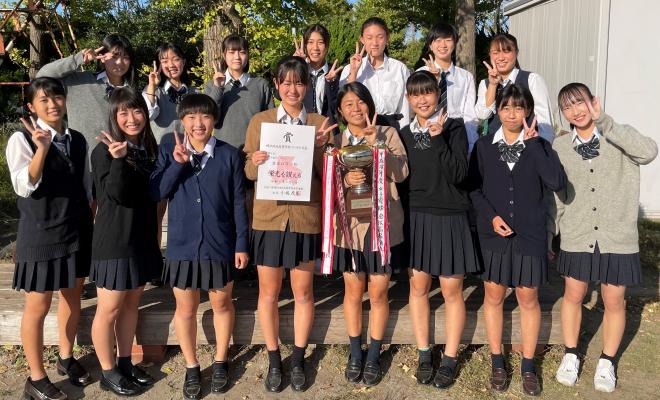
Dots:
pixel 219 77
pixel 593 106
pixel 300 48
pixel 107 56
pixel 333 73
pixel 356 59
pixel 435 128
pixel 430 64
pixel 530 131
pixel 181 153
pixel 494 77
pixel 500 227
pixel 370 130
pixel 322 134
pixel 116 149
pixel 42 138
pixel 90 55
pixel 154 76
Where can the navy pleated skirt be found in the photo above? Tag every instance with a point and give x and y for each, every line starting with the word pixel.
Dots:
pixel 198 274
pixel 366 261
pixel 126 273
pixel 610 268
pixel 441 245
pixel 284 249
pixel 513 269
pixel 51 275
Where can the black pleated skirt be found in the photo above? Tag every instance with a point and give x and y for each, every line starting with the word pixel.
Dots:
pixel 366 261
pixel 51 275
pixel 441 245
pixel 284 249
pixel 513 269
pixel 198 274
pixel 610 268
pixel 126 273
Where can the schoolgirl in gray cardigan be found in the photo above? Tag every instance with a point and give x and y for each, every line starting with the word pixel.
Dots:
pixel 597 218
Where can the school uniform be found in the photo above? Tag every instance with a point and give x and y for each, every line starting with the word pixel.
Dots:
pixel 542 104
pixel 321 97
pixel 396 170
pixel 460 97
pixel 510 181
pixel 285 233
pixel 597 213
pixel 238 101
pixel 438 237
pixel 207 218
pixel 125 251
pixel 387 85
pixel 87 95
pixel 162 113
pixel 55 225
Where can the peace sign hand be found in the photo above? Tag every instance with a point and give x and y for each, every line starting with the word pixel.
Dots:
pixel 181 153
pixel 593 106
pixel 300 48
pixel 435 128
pixel 530 131
pixel 116 149
pixel 333 73
pixel 105 56
pixel 356 59
pixel 154 76
pixel 494 77
pixel 40 137
pixel 370 130
pixel 430 64
pixel 322 134
pixel 90 55
pixel 219 77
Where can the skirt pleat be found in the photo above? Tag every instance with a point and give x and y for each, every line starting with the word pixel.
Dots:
pixel 51 275
pixel 199 274
pixel 610 268
pixel 126 273
pixel 513 269
pixel 366 261
pixel 284 249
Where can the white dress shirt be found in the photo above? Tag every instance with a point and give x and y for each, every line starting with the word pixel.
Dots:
pixel 244 78
pixel 542 103
pixel 417 128
pixel 154 109
pixel 387 85
pixel 209 148
pixel 499 135
pixel 578 140
pixel 284 118
pixel 461 96
pixel 19 155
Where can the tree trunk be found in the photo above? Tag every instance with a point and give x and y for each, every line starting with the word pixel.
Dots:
pixel 37 56
pixel 226 21
pixel 466 35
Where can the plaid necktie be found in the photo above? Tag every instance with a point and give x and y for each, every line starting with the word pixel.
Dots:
pixel 422 140
pixel 61 141
pixel 109 89
pixel 236 84
pixel 176 95
pixel 589 150
pixel 510 153
pixel 315 77
pixel 442 101
pixel 197 161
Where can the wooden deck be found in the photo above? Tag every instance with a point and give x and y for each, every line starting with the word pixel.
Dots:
pixel 157 308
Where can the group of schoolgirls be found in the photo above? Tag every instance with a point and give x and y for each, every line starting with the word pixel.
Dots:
pixel 158 148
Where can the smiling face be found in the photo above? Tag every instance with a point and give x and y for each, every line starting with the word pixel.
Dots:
pixel 236 60
pixel 172 65
pixel 198 126
pixel 291 90
pixel 442 48
pixel 374 38
pixel 354 110
pixel 50 109
pixel 316 48
pixel 575 110
pixel 118 65
pixel 512 116
pixel 503 59
pixel 423 105
pixel 131 121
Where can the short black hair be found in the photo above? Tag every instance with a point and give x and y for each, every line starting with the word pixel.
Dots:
pixel 294 64
pixel 422 82
pixel 178 51
pixel 441 30
pixel 321 30
pixel 520 96
pixel 197 103
pixel 235 41
pixel 361 92
pixel 124 45
pixel 375 21
pixel 50 86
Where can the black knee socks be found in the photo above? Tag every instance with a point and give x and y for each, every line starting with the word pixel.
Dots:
pixel 114 375
pixel 497 360
pixel 41 384
pixel 275 359
pixel 527 365
pixel 298 356
pixel 356 347
pixel 125 365
pixel 374 350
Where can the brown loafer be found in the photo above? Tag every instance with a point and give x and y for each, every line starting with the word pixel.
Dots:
pixel 530 384
pixel 498 379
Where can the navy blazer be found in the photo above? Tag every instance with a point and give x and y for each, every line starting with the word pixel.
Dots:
pixel 207 215
pixel 515 195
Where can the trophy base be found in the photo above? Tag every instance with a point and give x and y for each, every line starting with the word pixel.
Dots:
pixel 358 205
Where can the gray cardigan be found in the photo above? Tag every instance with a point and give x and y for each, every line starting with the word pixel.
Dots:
pixel 86 103
pixel 601 201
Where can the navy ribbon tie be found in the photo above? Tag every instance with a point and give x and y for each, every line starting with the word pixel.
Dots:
pixel 109 89
pixel 422 140
pixel 176 95
pixel 61 141
pixel 237 84
pixel 589 149
pixel 510 153
pixel 197 161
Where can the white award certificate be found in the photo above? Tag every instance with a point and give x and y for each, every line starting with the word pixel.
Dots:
pixel 287 174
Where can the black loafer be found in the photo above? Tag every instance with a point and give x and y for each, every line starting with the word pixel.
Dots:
pixel 298 379
pixel 192 387
pixel 77 374
pixel 444 377
pixel 50 392
pixel 125 387
pixel 371 375
pixel 273 382
pixel 424 373
pixel 353 371
pixel 219 379
pixel 140 376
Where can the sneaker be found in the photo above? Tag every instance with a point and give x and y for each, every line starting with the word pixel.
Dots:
pixel 567 373
pixel 605 379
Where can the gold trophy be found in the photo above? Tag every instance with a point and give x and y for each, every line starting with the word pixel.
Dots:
pixel 358 198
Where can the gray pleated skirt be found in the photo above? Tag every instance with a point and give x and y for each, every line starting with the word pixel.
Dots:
pixel 441 245
pixel 198 274
pixel 51 275
pixel 513 269
pixel 610 268
pixel 284 249
pixel 126 273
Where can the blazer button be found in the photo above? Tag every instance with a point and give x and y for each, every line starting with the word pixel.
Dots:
pixel 199 200
pixel 591 170
pixel 593 189
pixel 595 228
pixel 594 208
pixel 511 202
